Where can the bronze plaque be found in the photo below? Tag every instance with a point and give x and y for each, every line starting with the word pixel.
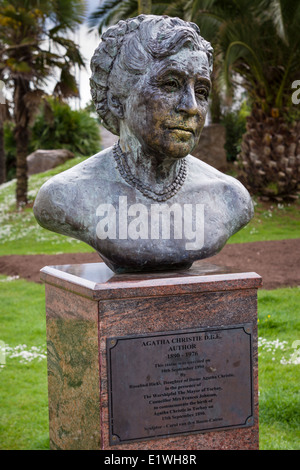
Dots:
pixel 172 383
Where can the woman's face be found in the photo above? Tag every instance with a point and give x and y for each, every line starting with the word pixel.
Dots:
pixel 166 110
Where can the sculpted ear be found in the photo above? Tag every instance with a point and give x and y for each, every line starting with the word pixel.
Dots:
pixel 115 105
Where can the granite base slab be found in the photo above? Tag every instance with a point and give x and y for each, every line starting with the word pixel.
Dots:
pixel 87 304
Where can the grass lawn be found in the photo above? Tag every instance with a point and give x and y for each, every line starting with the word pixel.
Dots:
pixel 279 368
pixel 20 233
pixel 23 377
pixel 272 221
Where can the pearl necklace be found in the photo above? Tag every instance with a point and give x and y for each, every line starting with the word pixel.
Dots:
pixel 159 196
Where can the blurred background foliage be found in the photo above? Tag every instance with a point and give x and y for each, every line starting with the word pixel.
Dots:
pixel 56 126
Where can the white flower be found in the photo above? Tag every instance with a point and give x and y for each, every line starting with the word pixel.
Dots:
pixel 25 354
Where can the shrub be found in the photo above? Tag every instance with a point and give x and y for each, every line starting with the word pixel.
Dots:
pixel 55 126
pixel 235 126
pixel 58 126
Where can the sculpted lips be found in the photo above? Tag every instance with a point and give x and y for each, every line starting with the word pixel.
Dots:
pixel 189 129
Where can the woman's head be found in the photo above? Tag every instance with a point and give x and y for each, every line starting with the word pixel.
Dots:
pixel 128 49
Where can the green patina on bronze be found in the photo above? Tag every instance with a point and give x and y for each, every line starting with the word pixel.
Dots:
pixel 72 375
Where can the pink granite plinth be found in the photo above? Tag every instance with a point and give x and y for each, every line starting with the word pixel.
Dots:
pixel 88 303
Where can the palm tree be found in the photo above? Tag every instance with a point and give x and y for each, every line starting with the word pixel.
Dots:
pixel 259 42
pixel 144 6
pixel 4 116
pixel 33 44
pixel 2 154
pixel 110 12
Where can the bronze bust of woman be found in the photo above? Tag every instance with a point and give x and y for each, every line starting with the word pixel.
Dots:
pixel 147 204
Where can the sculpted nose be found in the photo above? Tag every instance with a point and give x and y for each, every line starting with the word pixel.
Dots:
pixel 188 103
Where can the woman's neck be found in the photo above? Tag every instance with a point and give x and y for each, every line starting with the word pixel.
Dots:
pixel 153 170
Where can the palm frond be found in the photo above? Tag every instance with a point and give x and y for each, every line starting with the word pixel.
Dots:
pixel 110 12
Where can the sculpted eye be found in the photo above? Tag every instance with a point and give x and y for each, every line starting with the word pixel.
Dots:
pixel 202 92
pixel 171 84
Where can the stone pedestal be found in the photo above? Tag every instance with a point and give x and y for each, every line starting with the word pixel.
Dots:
pixel 89 309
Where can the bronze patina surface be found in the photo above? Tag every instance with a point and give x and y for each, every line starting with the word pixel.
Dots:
pixel 168 384
pixel 148 204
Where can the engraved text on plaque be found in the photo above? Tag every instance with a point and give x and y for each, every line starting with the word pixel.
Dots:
pixel 187 381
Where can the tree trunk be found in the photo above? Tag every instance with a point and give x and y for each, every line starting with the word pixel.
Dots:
pixel 269 163
pixel 144 7
pixel 22 139
pixel 2 151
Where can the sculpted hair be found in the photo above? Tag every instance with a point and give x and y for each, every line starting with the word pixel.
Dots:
pixel 126 50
